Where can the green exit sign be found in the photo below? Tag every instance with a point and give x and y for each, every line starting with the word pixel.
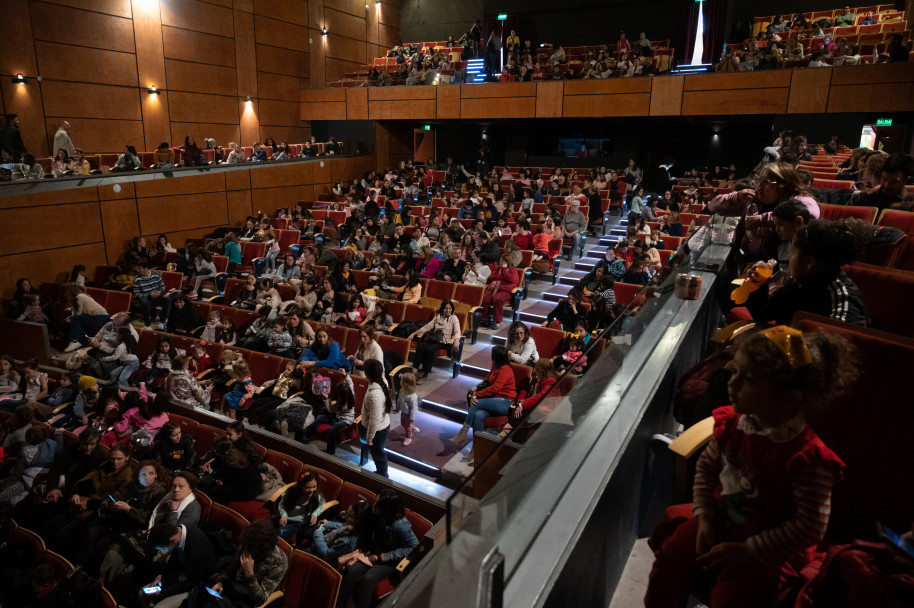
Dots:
pixel 427 127
pixel 883 122
pixel 502 16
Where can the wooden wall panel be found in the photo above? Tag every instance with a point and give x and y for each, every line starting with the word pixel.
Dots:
pixel 448 98
pixel 390 14
pixel 195 184
pixel 282 61
pixel 278 33
pixel 81 100
pixel 353 7
pixel 891 97
pixel 743 80
pixel 245 58
pixel 666 96
pixel 57 61
pixel 279 86
pixel 388 36
pixel 197 107
pixel 883 72
pixel 702 103
pixel 633 104
pixel 357 104
pixel 172 213
pixel 47 265
pixel 608 87
pixel 81 28
pixel 510 89
pixel 16 32
pixel 345 49
pixel 147 29
pixel 239 206
pixel 118 8
pixel 238 179
pixel 267 199
pixel 283 175
pixel 809 91
pixel 156 123
pixel 197 16
pixel 323 111
pixel 336 69
pixel 398 110
pixel 344 24
pixel 498 107
pixel 290 11
pixel 402 93
pixel 188 45
pixel 96 135
pixel 549 99
pixel 278 113
pixel 74 224
pixel 201 78
pixel 121 223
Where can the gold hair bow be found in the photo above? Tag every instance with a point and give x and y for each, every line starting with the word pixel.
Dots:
pixel 790 342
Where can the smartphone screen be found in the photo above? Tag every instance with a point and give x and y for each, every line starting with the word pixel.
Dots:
pixel 214 593
pixel 895 539
pixel 112 498
pixel 153 589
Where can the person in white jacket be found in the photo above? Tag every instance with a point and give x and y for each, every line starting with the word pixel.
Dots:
pixel 375 423
pixel 521 347
pixel 445 322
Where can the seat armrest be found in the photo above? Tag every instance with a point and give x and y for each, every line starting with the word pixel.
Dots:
pixel 276 595
pixel 693 439
pixel 281 491
pixel 61 407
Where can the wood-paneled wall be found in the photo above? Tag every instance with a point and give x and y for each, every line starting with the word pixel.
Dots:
pixel 97 60
pixel 49 232
pixel 885 88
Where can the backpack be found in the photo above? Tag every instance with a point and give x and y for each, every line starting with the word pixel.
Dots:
pixel 320 386
pixel 405 329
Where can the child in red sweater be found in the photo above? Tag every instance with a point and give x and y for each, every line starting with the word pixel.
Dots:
pixel 763 485
pixel 492 399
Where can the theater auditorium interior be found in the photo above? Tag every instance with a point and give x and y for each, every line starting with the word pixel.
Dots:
pixel 328 303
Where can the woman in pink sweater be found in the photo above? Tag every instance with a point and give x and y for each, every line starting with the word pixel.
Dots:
pixel 148 417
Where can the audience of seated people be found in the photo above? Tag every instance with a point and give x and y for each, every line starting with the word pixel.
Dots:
pixel 284 302
pixel 69 160
pixel 845 36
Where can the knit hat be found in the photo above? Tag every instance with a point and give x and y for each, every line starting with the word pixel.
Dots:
pixel 87 382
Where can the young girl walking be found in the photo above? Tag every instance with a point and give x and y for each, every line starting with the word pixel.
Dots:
pixel 408 406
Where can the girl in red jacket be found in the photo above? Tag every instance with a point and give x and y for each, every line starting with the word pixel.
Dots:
pixel 498 292
pixel 492 400
pixel 762 490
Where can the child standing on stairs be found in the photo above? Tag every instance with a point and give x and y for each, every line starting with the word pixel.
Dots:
pixel 408 406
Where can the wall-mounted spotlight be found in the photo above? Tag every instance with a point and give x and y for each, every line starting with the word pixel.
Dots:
pixel 153 90
pixel 20 79
pixel 324 31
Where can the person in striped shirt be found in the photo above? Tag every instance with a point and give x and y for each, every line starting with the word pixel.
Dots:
pixel 762 489
pixel 149 290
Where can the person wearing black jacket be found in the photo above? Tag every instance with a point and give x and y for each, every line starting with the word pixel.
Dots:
pixel 489 252
pixel 566 311
pixel 452 268
pixel 192 561
pixel 183 320
pixel 233 477
pixel 74 463
pixel 174 448
pixel 817 284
